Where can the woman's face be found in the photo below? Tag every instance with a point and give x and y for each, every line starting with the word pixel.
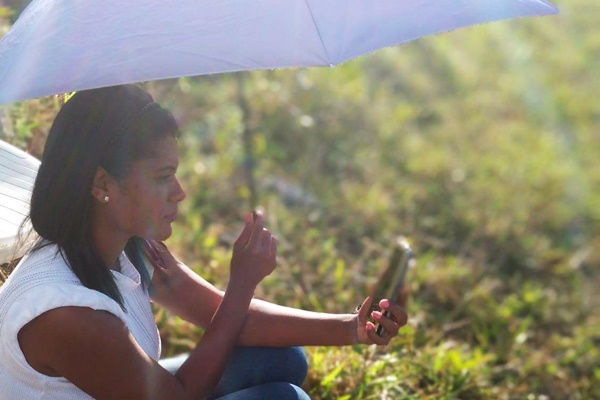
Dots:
pixel 147 199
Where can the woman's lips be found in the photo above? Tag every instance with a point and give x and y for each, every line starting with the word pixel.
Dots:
pixel 171 217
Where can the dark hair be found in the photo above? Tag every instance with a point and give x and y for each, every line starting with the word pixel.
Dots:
pixel 108 127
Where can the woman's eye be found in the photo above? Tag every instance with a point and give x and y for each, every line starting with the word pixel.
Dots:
pixel 165 178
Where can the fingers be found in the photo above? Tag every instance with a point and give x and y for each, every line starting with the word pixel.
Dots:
pixel 397 313
pixel 389 326
pixel 254 253
pixel 391 320
pixel 163 262
pixel 154 252
pixel 375 338
pixel 365 308
pixel 257 232
pixel 388 329
pixel 246 234
pixel 161 247
pixel 273 247
pixel 364 312
pixel 265 240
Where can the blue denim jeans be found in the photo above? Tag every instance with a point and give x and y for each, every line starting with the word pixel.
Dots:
pixel 257 373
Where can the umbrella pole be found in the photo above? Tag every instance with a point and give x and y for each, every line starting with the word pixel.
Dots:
pixel 249 161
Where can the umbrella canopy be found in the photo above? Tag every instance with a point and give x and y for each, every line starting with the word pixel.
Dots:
pixel 59 46
pixel 17 175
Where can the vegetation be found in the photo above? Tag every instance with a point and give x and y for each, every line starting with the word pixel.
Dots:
pixel 480 145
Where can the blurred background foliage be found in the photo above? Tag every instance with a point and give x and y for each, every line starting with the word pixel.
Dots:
pixel 481 146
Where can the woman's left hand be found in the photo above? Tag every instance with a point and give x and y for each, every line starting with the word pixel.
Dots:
pixel 366 329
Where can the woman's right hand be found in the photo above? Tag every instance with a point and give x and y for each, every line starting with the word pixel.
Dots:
pixel 254 253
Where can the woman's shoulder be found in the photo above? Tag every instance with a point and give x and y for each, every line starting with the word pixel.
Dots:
pixel 42 265
pixel 42 281
pixel 43 285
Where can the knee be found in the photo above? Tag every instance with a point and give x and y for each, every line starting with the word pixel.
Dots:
pixel 296 363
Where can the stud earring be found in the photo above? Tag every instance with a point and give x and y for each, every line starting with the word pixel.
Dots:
pixel 105 199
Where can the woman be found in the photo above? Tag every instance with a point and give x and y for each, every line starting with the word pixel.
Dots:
pixel 75 317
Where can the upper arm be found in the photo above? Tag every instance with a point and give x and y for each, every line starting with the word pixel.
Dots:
pixel 185 293
pixel 95 351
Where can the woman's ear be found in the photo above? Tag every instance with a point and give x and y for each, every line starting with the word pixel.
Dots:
pixel 100 187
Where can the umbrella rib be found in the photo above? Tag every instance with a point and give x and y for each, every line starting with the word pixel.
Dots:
pixel 318 31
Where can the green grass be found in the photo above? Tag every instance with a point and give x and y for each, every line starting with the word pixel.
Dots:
pixel 472 334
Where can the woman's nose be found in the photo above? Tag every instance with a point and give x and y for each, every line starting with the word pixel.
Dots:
pixel 178 194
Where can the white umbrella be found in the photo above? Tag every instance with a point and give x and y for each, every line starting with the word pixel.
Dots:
pixel 59 46
pixel 17 174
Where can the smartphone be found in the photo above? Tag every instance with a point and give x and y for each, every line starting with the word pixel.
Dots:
pixel 391 281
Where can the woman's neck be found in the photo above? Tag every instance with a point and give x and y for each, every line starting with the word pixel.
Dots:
pixel 109 249
pixel 108 242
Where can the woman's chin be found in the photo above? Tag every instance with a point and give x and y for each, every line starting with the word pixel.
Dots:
pixel 165 234
pixel 159 234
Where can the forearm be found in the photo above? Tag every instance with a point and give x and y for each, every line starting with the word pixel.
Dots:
pixel 212 352
pixel 272 325
pixel 192 298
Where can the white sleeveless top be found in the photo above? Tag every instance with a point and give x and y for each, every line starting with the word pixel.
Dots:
pixel 43 281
